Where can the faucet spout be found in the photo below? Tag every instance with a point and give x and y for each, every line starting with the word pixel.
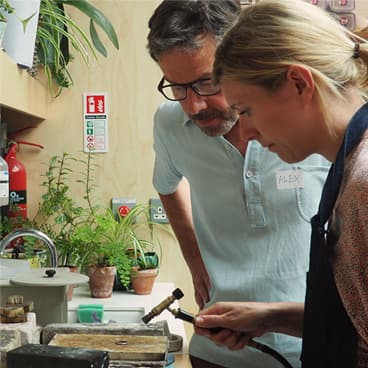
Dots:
pixel 31 232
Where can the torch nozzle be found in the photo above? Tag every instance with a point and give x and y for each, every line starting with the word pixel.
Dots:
pixel 158 309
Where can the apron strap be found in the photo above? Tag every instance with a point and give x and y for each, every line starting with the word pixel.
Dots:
pixel 329 337
pixel 353 135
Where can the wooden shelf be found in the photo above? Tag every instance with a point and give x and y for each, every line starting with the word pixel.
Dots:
pixel 20 94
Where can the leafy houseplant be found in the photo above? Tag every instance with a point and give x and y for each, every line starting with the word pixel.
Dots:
pixel 5 7
pixel 118 242
pixel 88 235
pixel 58 213
pixel 57 31
pixel 106 242
pixel 144 272
pixel 145 261
pixel 100 243
pixel 101 240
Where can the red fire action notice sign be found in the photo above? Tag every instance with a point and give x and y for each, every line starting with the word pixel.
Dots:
pixel 95 122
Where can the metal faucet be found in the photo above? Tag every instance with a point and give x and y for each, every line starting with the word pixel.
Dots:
pixel 31 232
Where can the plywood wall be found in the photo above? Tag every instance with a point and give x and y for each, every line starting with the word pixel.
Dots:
pixel 129 76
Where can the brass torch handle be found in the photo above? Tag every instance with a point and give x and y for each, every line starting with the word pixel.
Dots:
pixel 158 309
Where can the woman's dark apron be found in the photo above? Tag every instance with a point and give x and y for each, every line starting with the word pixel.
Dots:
pixel 329 337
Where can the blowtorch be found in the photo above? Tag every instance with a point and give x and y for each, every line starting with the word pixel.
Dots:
pixel 188 317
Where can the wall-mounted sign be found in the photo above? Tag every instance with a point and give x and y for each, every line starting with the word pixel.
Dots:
pixel 95 122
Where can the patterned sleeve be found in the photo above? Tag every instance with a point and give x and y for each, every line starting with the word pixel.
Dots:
pixel 350 261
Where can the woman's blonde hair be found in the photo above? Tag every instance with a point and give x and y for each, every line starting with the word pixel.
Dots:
pixel 272 35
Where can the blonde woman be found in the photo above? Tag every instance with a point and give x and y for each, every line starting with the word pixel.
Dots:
pixel 298 80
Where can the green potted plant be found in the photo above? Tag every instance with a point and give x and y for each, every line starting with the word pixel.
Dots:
pixel 57 31
pixel 144 272
pixel 144 258
pixel 5 7
pixel 59 213
pixel 100 243
pixel 88 235
pixel 115 241
pixel 56 216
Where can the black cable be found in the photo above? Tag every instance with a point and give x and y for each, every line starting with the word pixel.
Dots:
pixel 188 317
pixel 266 349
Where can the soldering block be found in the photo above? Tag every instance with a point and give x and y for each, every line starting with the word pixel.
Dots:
pixel 119 328
pixel 46 356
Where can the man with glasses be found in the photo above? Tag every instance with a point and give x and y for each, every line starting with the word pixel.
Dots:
pixel 242 215
pixel 178 92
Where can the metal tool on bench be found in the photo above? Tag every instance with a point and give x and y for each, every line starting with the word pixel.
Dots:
pixel 188 317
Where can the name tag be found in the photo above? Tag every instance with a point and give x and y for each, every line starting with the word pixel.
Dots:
pixel 289 179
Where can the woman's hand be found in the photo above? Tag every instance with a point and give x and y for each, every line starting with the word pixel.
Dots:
pixel 248 317
pixel 233 340
pixel 241 321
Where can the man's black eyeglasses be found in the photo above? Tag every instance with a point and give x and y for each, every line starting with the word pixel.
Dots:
pixel 178 92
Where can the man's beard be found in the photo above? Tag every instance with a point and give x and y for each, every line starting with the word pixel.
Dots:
pixel 226 120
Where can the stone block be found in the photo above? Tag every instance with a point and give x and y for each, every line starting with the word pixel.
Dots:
pixel 29 331
pixel 152 329
pixel 9 340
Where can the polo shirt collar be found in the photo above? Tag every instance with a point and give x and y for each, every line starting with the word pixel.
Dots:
pixel 186 119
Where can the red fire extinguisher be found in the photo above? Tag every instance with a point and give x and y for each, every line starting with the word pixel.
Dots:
pixel 17 182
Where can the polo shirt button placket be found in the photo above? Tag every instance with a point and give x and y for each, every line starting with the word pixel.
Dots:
pixel 248 174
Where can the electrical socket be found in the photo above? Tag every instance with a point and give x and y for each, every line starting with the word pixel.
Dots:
pixel 157 211
pixel 122 206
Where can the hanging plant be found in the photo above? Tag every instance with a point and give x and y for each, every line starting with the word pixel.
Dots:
pixel 57 32
pixel 5 7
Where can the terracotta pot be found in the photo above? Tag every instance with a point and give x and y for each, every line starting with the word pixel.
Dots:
pixel 101 281
pixel 70 288
pixel 143 280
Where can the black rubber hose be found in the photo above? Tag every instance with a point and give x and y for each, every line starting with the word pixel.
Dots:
pixel 188 317
pixel 266 349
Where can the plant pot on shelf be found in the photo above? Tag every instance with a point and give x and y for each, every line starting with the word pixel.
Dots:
pixel 143 280
pixel 101 281
pixel 70 288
